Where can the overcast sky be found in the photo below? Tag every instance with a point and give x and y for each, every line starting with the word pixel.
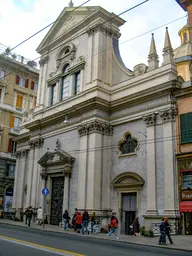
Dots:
pixel 21 18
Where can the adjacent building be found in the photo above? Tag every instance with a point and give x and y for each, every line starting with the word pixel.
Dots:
pixel 183 59
pixel 103 136
pixel 18 91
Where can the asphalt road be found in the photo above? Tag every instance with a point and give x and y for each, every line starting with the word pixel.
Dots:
pixel 20 241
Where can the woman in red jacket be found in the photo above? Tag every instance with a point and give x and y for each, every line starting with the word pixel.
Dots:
pixel 78 222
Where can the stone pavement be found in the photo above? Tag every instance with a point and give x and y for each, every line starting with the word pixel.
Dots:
pixel 180 242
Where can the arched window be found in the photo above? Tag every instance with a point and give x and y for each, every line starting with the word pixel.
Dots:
pixel 185 38
pixel 65 83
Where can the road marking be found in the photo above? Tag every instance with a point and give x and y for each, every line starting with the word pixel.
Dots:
pixel 39 247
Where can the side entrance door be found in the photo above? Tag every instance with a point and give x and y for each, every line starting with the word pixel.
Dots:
pixel 129 218
pixel 57 200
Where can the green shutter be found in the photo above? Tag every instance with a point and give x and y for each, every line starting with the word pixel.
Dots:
pixel 186 127
pixel 189 127
pixel 183 128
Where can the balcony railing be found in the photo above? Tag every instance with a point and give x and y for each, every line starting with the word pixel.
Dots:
pixel 14 130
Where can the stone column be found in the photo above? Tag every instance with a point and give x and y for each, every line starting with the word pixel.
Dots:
pixel 151 167
pixel 82 170
pixel 22 173
pixel 66 192
pixel 168 117
pixel 16 185
pixel 36 173
pixel 43 185
pixel 30 172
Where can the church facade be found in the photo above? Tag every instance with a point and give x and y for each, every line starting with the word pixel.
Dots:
pixel 102 137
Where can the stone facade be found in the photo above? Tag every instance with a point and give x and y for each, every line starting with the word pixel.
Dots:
pixel 108 143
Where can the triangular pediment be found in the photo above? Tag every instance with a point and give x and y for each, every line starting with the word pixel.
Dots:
pixel 55 158
pixel 67 20
pixel 74 19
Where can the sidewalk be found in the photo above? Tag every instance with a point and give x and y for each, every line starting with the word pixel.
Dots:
pixel 180 242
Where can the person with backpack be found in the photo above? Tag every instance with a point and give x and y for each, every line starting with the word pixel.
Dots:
pixel 167 230
pixel 114 227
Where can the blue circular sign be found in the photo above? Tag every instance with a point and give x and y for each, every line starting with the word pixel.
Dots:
pixel 45 191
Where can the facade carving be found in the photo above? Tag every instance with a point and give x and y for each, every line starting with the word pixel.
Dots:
pixel 168 115
pixel 128 144
pixel 150 119
pixel 105 30
pixel 36 143
pixel 95 127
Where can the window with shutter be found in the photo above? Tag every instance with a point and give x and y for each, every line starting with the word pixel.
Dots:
pixel 19 101
pixel 12 121
pixel 10 146
pixel 17 79
pixel 32 85
pixel 186 128
pixel 26 83
pixel 35 102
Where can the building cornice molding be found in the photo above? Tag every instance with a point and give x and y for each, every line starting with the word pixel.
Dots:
pixel 95 127
pixel 103 29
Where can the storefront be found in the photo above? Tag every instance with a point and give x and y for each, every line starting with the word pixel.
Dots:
pixel 185 196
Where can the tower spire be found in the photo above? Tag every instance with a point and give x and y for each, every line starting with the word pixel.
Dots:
pixel 153 58
pixel 71 4
pixel 168 56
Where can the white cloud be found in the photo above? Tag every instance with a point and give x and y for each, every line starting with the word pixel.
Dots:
pixel 21 18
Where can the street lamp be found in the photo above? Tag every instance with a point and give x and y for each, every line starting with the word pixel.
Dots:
pixel 66 120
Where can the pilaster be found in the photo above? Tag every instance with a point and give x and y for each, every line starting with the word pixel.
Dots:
pixel 44 178
pixel 44 64
pixel 168 117
pixel 16 185
pixel 150 121
pixel 92 164
pixel 66 192
pixel 30 172
pixel 36 172
pixel 22 171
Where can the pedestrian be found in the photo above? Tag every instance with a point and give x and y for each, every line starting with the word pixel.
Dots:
pixel 26 212
pixel 162 238
pixel 39 216
pixel 167 230
pixel 136 227
pixel 114 226
pixel 93 218
pixel 78 223
pixel 66 219
pixel 74 219
pixel 29 215
pixel 85 221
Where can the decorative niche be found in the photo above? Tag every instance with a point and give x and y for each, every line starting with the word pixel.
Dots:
pixel 128 145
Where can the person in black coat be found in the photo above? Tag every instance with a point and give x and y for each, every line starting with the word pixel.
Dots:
pixel 167 230
pixel 66 219
pixel 162 239
pixel 85 221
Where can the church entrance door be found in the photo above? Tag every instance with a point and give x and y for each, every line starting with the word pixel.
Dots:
pixel 57 200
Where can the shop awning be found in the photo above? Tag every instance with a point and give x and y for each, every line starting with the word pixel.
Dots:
pixel 185 207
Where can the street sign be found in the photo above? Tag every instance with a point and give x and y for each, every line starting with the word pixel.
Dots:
pixel 45 191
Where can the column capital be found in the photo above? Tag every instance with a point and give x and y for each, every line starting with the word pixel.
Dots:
pixel 168 115
pixel 39 142
pixel 95 127
pixel 150 119
pixel 24 152
pixel 44 176
pixel 67 170
pixel 18 153
pixel 43 60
